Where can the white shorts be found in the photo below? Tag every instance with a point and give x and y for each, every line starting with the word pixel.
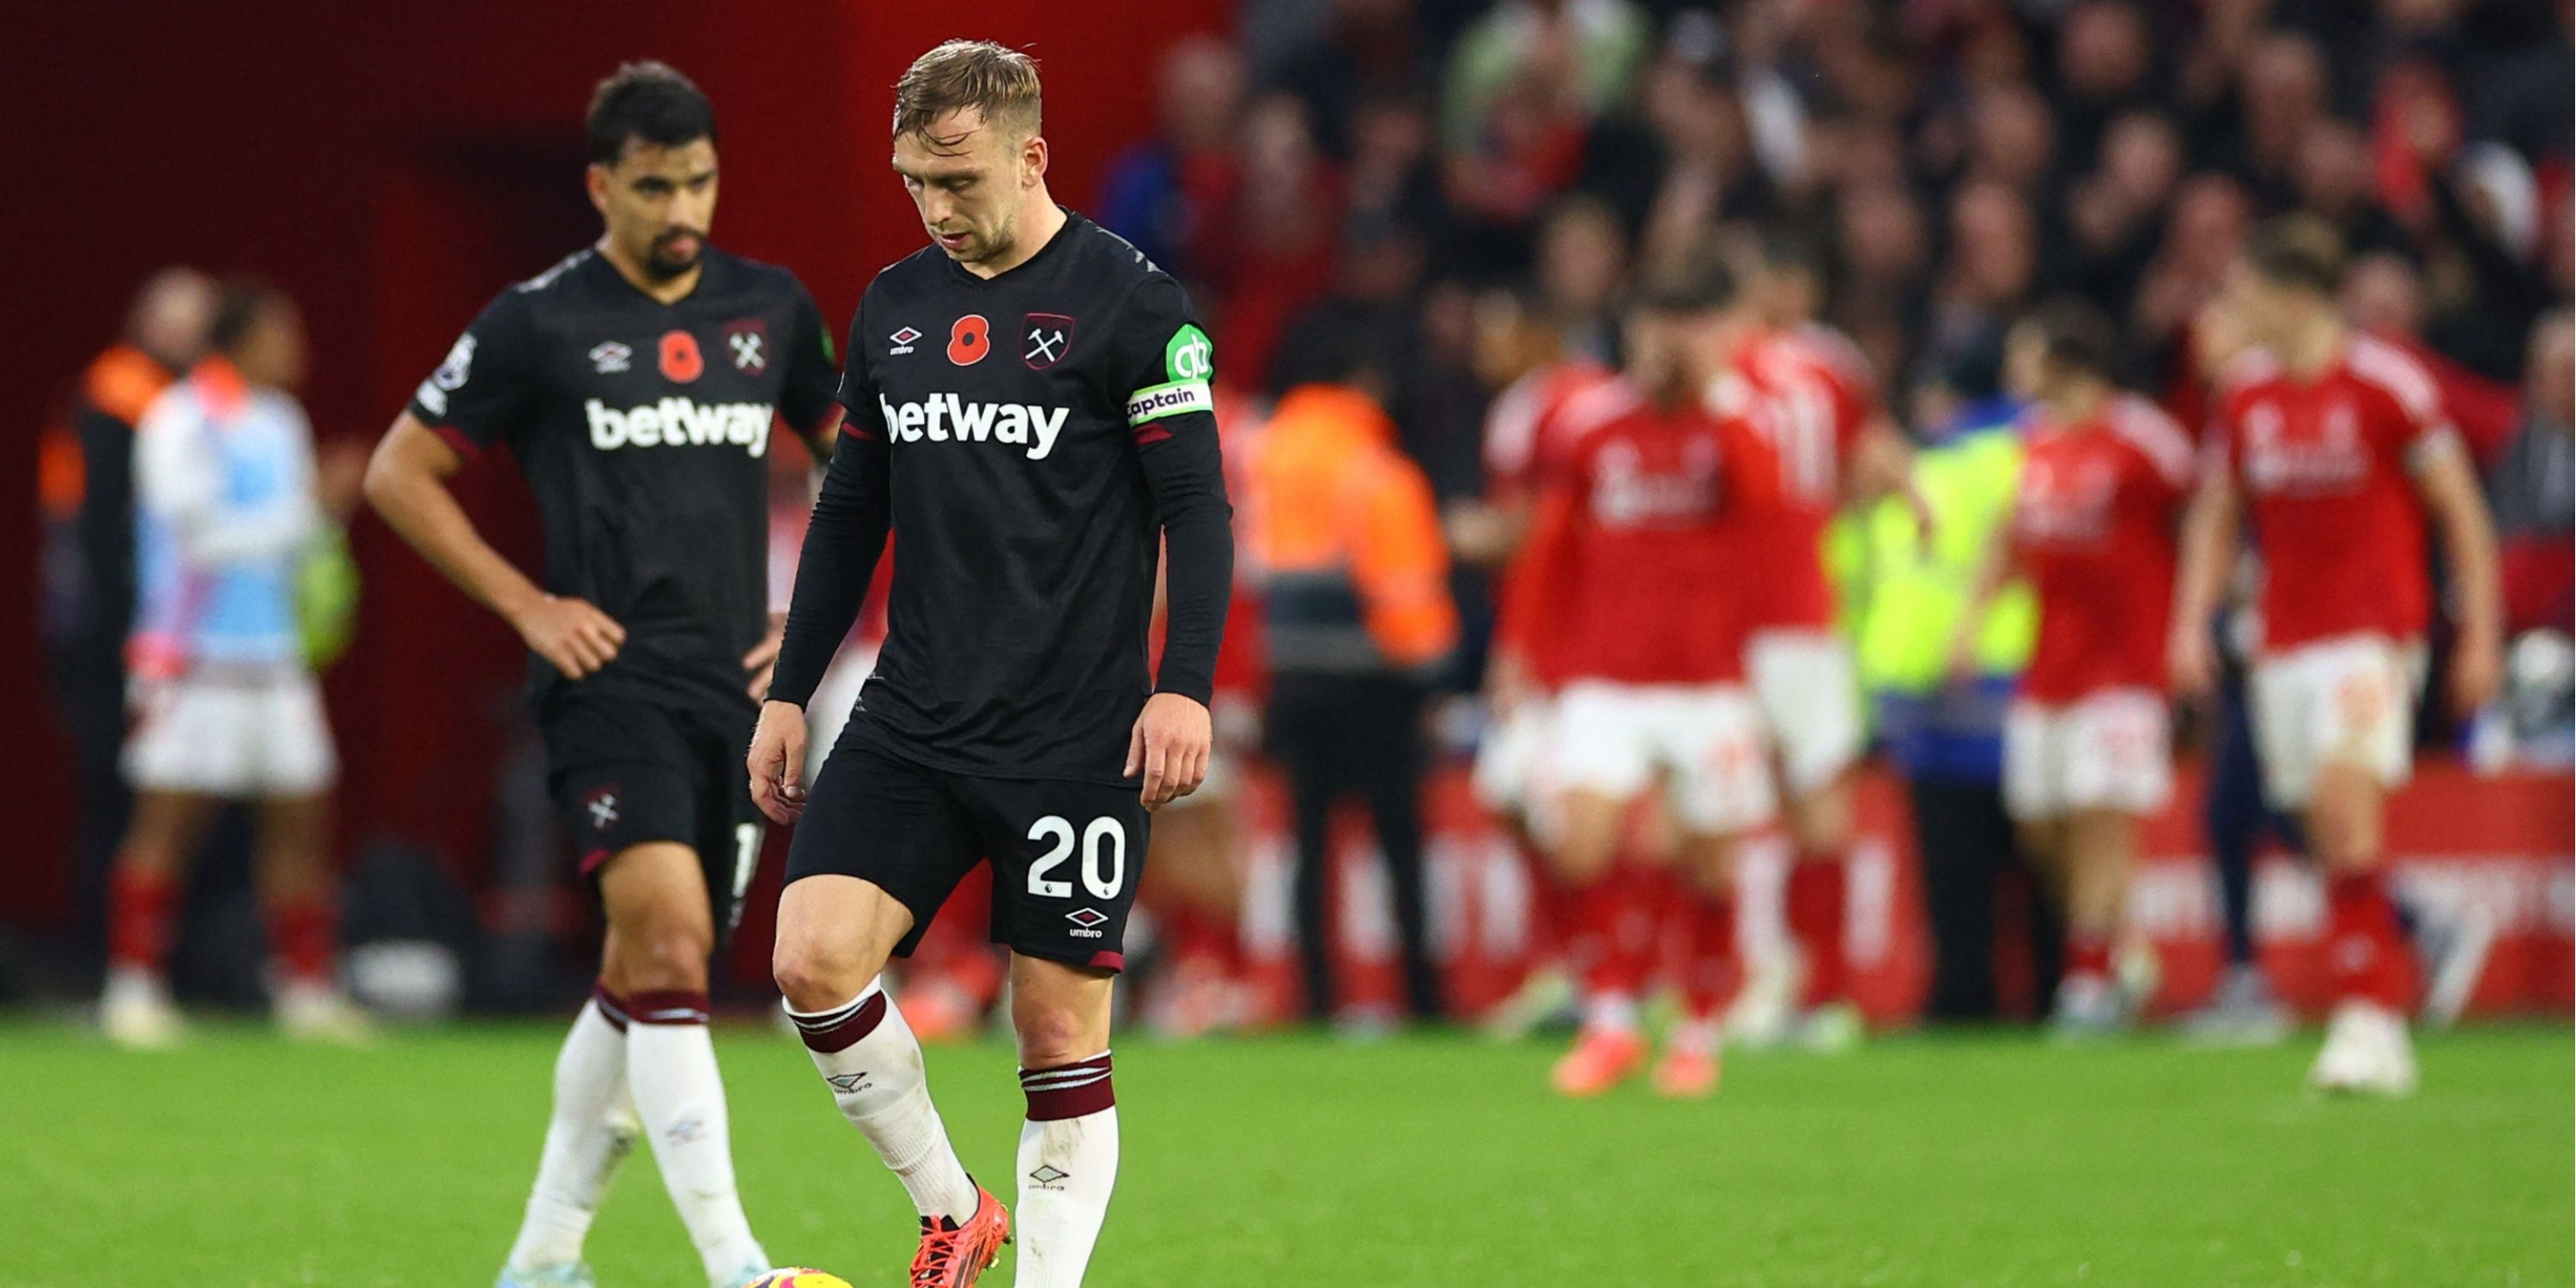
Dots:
pixel 2343 701
pixel 1612 738
pixel 242 737
pixel 1511 757
pixel 2106 750
pixel 1810 696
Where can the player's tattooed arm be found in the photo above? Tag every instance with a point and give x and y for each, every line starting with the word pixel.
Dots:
pixel 406 482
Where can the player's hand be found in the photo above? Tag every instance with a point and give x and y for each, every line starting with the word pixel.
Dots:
pixel 762 660
pixel 570 633
pixel 2477 673
pixel 2192 659
pixel 1170 748
pixel 777 762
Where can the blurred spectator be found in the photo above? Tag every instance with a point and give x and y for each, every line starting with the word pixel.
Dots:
pixel 1886 264
pixel 1167 193
pixel 2533 487
pixel 2104 58
pixel 2116 213
pixel 1994 255
pixel 1567 59
pixel 1582 267
pixel 2383 295
pixel 1359 50
pixel 1281 231
pixel 1373 303
pixel 86 485
pixel 1359 616
pixel 2332 178
pixel 1684 167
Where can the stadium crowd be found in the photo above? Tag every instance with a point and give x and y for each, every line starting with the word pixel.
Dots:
pixel 1404 220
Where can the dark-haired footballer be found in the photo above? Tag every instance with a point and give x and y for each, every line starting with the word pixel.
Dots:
pixel 637 383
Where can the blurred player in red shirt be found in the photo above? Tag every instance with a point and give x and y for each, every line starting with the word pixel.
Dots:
pixel 2088 741
pixel 1524 354
pixel 1633 586
pixel 1834 445
pixel 2333 444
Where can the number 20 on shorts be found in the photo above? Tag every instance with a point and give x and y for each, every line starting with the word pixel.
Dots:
pixel 1104 857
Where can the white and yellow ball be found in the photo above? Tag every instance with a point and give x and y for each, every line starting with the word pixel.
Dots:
pixel 798 1277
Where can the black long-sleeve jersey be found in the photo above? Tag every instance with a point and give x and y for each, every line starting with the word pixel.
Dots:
pixel 642 428
pixel 1029 440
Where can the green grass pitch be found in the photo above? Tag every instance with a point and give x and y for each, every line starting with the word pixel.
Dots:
pixel 1983 1159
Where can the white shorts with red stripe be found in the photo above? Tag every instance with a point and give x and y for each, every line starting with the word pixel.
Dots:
pixel 2343 701
pixel 2112 749
pixel 1705 739
pixel 1809 691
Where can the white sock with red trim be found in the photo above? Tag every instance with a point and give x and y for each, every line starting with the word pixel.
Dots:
pixel 1068 1165
pixel 868 1054
pixel 671 1065
pixel 590 1133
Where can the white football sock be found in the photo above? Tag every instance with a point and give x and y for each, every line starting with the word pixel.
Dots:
pixel 1068 1165
pixel 671 1064
pixel 585 1140
pixel 873 1063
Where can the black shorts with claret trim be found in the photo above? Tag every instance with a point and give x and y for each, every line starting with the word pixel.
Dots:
pixel 1066 855
pixel 626 772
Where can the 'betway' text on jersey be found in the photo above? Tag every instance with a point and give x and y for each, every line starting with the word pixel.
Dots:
pixel 679 422
pixel 947 417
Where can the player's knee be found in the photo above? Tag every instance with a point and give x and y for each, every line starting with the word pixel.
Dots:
pixel 664 955
pixel 2343 823
pixel 1052 1035
pixel 814 975
pixel 1711 861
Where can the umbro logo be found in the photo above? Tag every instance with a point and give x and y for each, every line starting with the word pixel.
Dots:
pixel 903 340
pixel 845 1083
pixel 1048 1174
pixel 1086 917
pixel 611 358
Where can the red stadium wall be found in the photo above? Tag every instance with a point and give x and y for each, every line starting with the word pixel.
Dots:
pixel 2498 847
pixel 393 166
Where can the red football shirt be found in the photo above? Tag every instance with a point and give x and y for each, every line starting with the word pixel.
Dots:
pixel 2328 466
pixel 1811 396
pixel 1524 443
pixel 2093 527
pixel 1521 427
pixel 1635 569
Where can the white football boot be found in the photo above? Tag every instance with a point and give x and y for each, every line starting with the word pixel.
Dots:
pixel 2367 1052
pixel 135 1011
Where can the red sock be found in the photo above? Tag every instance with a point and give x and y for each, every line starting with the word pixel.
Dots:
pixel 2088 955
pixel 1709 977
pixel 138 919
pixel 1645 894
pixel 1819 892
pixel 1612 964
pixel 304 937
pixel 2365 947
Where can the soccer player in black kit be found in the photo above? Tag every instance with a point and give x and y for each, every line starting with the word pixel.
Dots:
pixel 1028 407
pixel 637 383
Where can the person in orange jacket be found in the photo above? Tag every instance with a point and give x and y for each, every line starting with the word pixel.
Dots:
pixel 1358 622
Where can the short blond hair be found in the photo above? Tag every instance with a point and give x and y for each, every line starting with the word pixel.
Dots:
pixel 998 81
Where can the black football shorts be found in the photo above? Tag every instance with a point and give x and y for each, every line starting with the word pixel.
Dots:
pixel 1066 855
pixel 626 771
